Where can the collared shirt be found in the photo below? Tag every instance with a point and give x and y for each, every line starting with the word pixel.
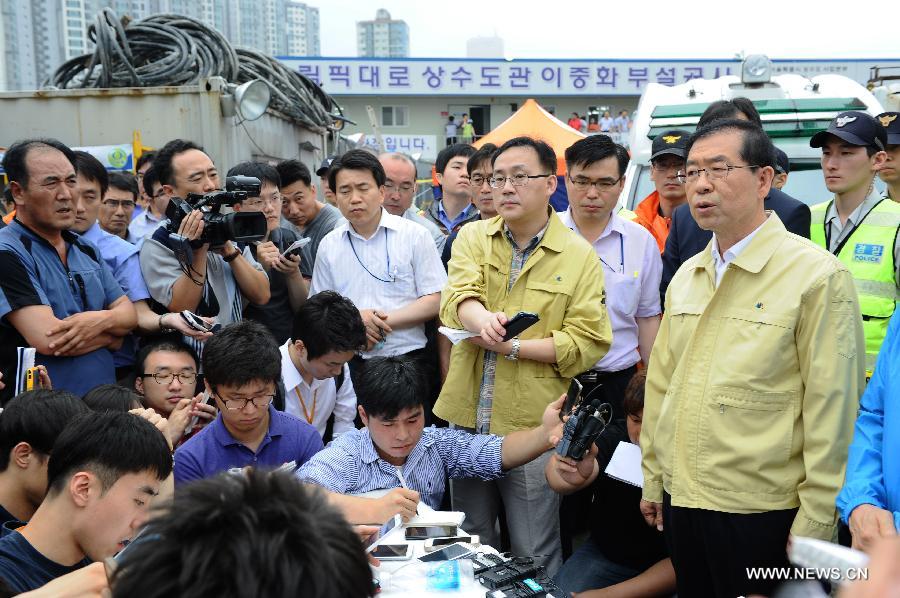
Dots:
pixel 752 385
pixel 440 239
pixel 124 260
pixel 632 270
pixel 351 465
pixel 836 234
pixel 142 226
pixel 314 403
pixel 394 267
pixel 489 364
pixel 721 262
pixel 31 273
pixel 449 224
pixel 214 450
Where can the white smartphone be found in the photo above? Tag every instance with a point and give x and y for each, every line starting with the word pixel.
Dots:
pixel 372 541
pixel 392 552
pixel 295 247
pixel 449 553
pixel 433 544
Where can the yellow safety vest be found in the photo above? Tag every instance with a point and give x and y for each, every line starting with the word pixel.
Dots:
pixel 868 252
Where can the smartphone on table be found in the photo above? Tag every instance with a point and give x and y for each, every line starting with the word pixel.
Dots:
pixel 392 552
pixel 372 540
pixel 424 532
pixel 433 544
pixel 448 553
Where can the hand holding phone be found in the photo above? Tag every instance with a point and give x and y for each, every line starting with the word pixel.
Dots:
pixel 519 323
pixel 295 247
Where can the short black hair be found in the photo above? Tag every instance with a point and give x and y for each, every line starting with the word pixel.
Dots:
pixel 110 445
pixel 37 417
pixel 388 385
pixel 145 157
pixel 633 402
pixel 291 171
pixel 594 148
pixel 259 533
pixel 14 160
pixel 124 181
pixel 241 353
pixel 728 110
pixel 448 153
pixel 92 169
pixel 172 344
pixel 546 155
pixel 329 322
pixel 756 147
pixel 482 154
pixel 150 179
pixel 266 173
pixel 356 159
pixel 162 163
pixel 111 397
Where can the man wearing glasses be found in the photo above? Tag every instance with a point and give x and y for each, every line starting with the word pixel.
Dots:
pixel 288 288
pixel 399 190
pixel 242 367
pixel 118 205
pixel 526 260
pixel 753 382
pixel 666 158
pixel 630 263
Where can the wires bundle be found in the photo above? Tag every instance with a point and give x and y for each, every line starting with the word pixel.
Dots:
pixel 170 49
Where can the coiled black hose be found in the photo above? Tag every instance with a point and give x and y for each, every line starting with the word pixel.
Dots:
pixel 170 49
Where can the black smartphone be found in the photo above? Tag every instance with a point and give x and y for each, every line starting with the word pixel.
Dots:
pixel 392 552
pixel 573 396
pixel 518 323
pixel 424 532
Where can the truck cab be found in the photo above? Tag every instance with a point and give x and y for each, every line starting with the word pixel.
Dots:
pixel 792 108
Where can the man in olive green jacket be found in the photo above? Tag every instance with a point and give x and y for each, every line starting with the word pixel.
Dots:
pixel 753 383
pixel 524 259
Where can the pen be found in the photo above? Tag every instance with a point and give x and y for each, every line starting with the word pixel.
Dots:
pixel 403 483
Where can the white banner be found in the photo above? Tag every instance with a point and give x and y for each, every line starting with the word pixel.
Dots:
pixel 482 77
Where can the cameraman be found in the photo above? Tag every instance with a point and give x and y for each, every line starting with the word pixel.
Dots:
pixel 622 555
pixel 288 288
pixel 214 283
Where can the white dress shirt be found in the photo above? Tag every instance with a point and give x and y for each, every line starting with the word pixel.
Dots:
pixel 314 403
pixel 721 262
pixel 632 269
pixel 390 270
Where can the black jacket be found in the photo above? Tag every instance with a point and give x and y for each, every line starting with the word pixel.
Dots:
pixel 686 239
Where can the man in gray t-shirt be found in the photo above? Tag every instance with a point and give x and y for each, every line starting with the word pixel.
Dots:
pixel 310 217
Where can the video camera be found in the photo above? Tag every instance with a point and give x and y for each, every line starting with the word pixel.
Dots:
pixel 586 422
pixel 217 227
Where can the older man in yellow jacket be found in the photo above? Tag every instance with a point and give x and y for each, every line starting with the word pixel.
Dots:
pixel 525 259
pixel 753 383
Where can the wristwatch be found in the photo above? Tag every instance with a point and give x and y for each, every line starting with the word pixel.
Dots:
pixel 514 354
pixel 162 327
pixel 232 256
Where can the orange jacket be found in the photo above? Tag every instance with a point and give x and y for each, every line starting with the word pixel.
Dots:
pixel 9 217
pixel 647 215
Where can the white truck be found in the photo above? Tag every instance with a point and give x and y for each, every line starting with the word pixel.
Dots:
pixel 792 109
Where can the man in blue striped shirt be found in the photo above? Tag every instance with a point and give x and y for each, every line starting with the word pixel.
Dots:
pixel 395 450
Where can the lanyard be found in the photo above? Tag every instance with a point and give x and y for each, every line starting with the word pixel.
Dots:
pixel 391 276
pixel 621 257
pixel 309 416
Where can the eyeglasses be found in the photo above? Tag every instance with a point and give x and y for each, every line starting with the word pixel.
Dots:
pixel 660 166
pixel 713 173
pixel 183 377
pixel 517 180
pixel 115 204
pixel 479 180
pixel 583 184
pixel 259 202
pixel 239 404
pixel 404 187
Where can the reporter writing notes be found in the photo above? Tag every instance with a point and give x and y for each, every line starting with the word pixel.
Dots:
pixel 56 293
pixel 396 440
pixel 218 282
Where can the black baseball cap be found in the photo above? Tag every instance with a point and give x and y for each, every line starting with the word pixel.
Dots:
pixel 670 142
pixel 326 164
pixel 891 123
pixel 782 164
pixel 856 128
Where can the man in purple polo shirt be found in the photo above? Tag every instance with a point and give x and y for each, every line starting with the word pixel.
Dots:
pixel 242 366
